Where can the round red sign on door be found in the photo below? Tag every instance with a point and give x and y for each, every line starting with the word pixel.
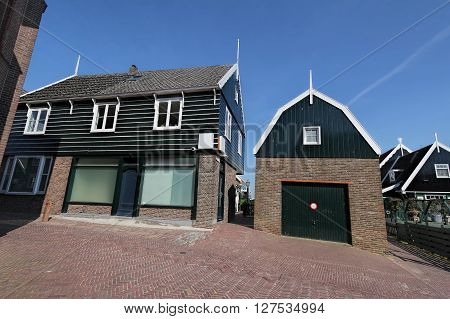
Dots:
pixel 313 206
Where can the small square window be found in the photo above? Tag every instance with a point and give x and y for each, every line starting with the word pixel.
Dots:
pixel 105 117
pixel 168 113
pixel 311 135
pixel 442 170
pixel 37 121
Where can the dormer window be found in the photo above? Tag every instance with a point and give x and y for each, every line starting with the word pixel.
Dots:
pixel 311 135
pixel 442 170
pixel 105 117
pixel 168 113
pixel 37 121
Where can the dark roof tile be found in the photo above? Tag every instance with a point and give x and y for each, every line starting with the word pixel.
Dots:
pixel 123 83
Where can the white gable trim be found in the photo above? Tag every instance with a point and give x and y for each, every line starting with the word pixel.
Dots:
pixel 46 86
pixel 387 189
pixel 422 162
pixel 393 152
pixel 329 100
pixel 227 76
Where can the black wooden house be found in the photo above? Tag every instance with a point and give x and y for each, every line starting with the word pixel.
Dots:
pixel 165 144
pixel 423 174
pixel 318 176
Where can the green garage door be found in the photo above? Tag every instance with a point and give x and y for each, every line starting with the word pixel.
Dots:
pixel 316 211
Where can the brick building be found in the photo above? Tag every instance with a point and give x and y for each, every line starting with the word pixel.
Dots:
pixel 19 24
pixel 164 145
pixel 317 175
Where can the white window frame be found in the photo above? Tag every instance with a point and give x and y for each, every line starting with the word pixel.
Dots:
pixel 169 106
pixel 35 191
pixel 239 143
pixel 96 116
pixel 443 166
pixel 35 131
pixel 236 93
pixel 228 123
pixel 319 135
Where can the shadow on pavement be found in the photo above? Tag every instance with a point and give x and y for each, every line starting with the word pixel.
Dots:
pixel 12 221
pixel 419 256
pixel 240 219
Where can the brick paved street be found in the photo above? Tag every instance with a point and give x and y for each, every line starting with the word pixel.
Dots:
pixel 71 259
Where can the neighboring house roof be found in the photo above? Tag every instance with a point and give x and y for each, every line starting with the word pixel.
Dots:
pixel 386 156
pixel 327 99
pixel 104 85
pixel 409 165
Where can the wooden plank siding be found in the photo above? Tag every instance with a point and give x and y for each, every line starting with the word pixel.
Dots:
pixel 69 134
pixel 339 137
pixel 231 147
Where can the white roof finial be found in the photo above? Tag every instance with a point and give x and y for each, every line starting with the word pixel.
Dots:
pixel 77 65
pixel 237 60
pixel 310 88
pixel 400 142
pixel 437 142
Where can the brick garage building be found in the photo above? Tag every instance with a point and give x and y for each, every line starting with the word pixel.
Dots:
pixel 163 145
pixel 317 175
pixel 19 24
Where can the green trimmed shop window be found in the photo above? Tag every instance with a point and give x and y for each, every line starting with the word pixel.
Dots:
pixel 168 183
pixel 94 180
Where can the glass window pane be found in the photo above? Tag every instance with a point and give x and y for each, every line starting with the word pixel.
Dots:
pixel 110 117
pixel 94 185
pixel 7 173
pixel 100 116
pixel 175 107
pixel 162 114
pixel 174 119
pixel 45 174
pixel 42 119
pixel 24 176
pixel 168 186
pixel 32 121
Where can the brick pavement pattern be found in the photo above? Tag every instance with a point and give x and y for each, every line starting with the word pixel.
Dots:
pixel 71 259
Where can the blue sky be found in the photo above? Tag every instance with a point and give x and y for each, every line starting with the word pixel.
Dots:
pixel 402 89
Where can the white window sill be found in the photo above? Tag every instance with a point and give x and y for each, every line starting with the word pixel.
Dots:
pixel 103 131
pixel 160 128
pixel 33 133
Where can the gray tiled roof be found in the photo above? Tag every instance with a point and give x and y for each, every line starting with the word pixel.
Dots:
pixel 123 83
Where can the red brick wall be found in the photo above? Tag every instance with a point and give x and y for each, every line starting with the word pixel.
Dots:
pixel 166 213
pixel 57 184
pixel 366 205
pixel 89 209
pixel 207 191
pixel 16 47
pixel 28 205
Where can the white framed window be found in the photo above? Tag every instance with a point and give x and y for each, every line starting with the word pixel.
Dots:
pixel 26 175
pixel 442 170
pixel 105 117
pixel 168 114
pixel 228 123
pixel 37 119
pixel 311 135
pixel 239 143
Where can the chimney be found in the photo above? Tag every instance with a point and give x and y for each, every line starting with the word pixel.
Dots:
pixel 133 70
